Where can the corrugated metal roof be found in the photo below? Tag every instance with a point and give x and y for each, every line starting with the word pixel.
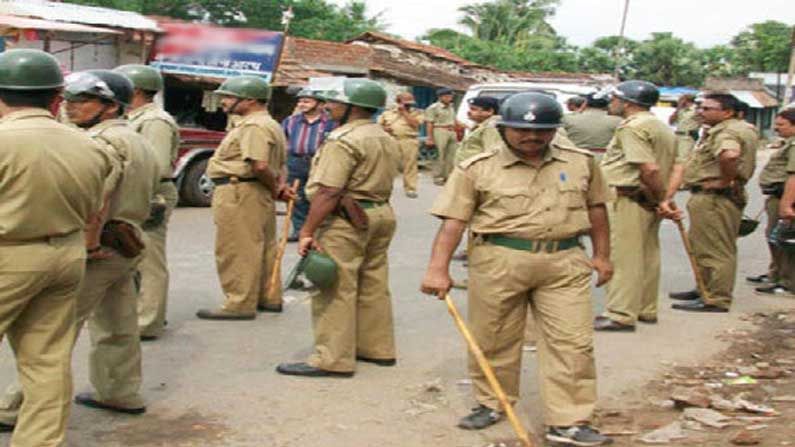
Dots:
pixel 68 12
pixel 49 25
pixel 755 99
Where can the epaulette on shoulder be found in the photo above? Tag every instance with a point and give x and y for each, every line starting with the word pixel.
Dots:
pixel 476 158
pixel 575 150
pixel 338 133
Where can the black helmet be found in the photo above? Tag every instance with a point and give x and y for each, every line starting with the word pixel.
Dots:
pixel 638 92
pixel 530 111
pixel 105 84
pixel 596 101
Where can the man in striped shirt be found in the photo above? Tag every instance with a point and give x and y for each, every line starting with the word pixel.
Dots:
pixel 305 131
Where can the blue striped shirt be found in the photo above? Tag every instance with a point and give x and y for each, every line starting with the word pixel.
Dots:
pixel 303 137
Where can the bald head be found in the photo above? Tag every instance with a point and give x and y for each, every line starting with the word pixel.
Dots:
pixel 405 98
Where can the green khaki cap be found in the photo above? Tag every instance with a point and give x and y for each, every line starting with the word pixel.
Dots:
pixel 143 77
pixel 29 70
pixel 246 87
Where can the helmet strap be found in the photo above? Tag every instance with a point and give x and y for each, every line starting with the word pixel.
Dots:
pixel 346 115
pixel 96 119
pixel 234 105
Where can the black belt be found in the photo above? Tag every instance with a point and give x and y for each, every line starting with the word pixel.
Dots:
pixel 227 180
pixel 698 189
pixel 775 190
pixel 301 156
pixel 166 180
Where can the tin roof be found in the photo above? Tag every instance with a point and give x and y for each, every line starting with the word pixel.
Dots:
pixel 68 12
pixel 441 53
pixel 49 25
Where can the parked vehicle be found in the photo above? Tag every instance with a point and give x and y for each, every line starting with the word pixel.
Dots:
pixel 197 146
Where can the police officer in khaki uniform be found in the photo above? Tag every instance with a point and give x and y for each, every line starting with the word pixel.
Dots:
pixel 162 132
pixel 95 101
pixel 779 172
pixel 592 128
pixel 440 125
pixel 403 122
pixel 352 319
pixel 716 173
pixel 686 122
pixel 51 184
pixel 483 112
pixel 248 172
pixel 527 203
pixel 636 166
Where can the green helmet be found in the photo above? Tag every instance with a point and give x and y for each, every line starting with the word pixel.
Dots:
pixel 246 87
pixel 29 70
pixel 358 92
pixel 309 93
pixel 143 77
pixel 320 269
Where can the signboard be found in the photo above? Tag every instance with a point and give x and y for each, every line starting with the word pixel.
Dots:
pixel 208 51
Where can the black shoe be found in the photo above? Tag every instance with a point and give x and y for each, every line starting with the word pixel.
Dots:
pixel 87 400
pixel 685 296
pixel 480 417
pixel 223 314
pixel 774 291
pixel 579 435
pixel 149 337
pixel 601 323
pixel 292 238
pixel 303 369
pixel 759 279
pixel 379 362
pixel 6 428
pixel 699 306
pixel 272 308
pixel 648 320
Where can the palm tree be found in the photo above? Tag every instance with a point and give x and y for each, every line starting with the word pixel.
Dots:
pixel 512 22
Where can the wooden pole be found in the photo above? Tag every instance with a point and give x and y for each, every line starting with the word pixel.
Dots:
pixel 277 265
pixel 702 288
pixel 489 373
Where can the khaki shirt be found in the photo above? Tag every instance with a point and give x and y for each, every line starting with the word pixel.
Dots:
pixel 140 174
pixel 255 137
pixel 780 166
pixel 484 136
pixel 398 125
pixel 440 114
pixel 51 177
pixel 496 192
pixel 359 158
pixel 591 129
pixel 686 121
pixel 640 138
pixel 732 134
pixel 162 132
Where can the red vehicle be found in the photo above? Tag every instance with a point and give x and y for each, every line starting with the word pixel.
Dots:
pixel 196 147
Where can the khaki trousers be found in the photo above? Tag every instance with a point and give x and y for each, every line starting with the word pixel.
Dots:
pixel 635 253
pixel 39 283
pixel 503 282
pixel 153 298
pixel 107 297
pixel 245 245
pixel 409 148
pixel 771 210
pixel 109 303
pixel 354 317
pixel 714 227
pixel 445 141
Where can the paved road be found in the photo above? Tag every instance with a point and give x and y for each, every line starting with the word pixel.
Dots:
pixel 213 384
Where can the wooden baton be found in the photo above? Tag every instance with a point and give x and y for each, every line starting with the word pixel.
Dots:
pixel 488 372
pixel 277 265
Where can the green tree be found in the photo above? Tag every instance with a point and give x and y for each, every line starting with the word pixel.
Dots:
pixel 764 47
pixel 721 61
pixel 512 22
pixel 667 60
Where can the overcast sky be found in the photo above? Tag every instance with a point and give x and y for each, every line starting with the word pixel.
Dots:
pixel 703 22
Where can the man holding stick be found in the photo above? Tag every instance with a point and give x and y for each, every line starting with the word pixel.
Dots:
pixel 527 205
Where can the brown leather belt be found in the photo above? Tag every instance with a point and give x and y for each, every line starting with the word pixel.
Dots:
pixel 698 189
pixel 227 180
